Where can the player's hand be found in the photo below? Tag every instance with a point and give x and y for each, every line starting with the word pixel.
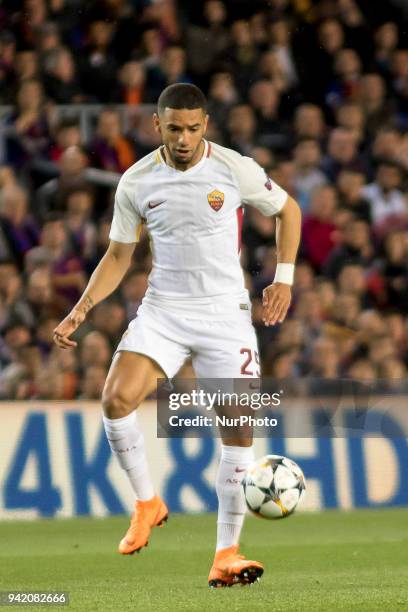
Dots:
pixel 67 327
pixel 276 301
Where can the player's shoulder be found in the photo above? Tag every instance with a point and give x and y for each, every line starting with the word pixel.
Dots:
pixel 140 169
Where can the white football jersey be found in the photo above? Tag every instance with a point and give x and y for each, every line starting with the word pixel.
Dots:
pixel 194 218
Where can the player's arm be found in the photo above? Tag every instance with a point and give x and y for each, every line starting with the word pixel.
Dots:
pixel 277 296
pixel 104 280
pixel 259 191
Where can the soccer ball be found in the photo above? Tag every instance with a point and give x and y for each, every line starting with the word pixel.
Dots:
pixel 273 486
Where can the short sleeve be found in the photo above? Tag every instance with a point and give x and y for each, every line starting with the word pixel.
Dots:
pixel 126 218
pixel 257 189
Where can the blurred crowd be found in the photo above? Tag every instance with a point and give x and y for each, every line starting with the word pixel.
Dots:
pixel 315 91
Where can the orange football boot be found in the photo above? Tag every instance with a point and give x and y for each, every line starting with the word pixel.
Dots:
pixel 230 568
pixel 147 514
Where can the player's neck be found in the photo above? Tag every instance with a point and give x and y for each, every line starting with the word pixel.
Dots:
pixel 182 167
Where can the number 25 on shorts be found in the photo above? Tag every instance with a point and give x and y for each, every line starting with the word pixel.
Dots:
pixel 251 360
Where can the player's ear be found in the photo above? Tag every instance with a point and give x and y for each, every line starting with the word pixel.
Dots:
pixel 156 123
pixel 206 123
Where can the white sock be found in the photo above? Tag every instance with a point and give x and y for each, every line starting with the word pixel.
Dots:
pixel 231 502
pixel 127 443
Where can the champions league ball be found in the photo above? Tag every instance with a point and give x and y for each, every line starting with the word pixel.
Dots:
pixel 273 487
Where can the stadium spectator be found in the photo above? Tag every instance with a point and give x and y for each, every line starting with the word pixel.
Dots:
pixel 386 41
pixel 318 226
pixel 342 153
pixel 222 95
pixel 305 276
pixel 372 97
pixel 270 69
pixel 280 41
pixel 72 165
pixel 347 68
pixel 264 157
pixel 110 150
pixel 308 122
pixel 131 84
pixel 18 229
pixel 98 66
pixel 242 55
pixel 47 37
pixel 272 132
pixel 142 134
pixel 358 33
pixel 7 64
pixel 355 248
pixel 308 309
pixel 349 185
pixel 94 350
pixel 28 17
pixel 324 359
pixel 16 335
pixel 65 363
pixel 133 290
pixel 26 66
pixel 61 79
pixel 172 69
pixel 27 136
pixel 388 145
pixel 350 116
pixel 67 268
pixel 283 173
pixel 242 128
pixel 395 326
pixel 330 40
pixel 257 26
pixel 205 43
pixel 362 370
pixel 93 382
pixel 151 47
pixel 352 279
pixel 82 232
pixel 308 176
pixel 110 319
pixel 8 177
pixel 394 268
pixel 386 199
pixel 40 299
pixel 66 134
pixel 50 384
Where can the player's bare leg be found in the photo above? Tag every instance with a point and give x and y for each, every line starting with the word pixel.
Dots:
pixel 131 378
pixel 229 567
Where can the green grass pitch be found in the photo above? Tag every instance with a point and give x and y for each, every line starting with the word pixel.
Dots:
pixel 316 562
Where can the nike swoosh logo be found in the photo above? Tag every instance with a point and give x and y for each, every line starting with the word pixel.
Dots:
pixel 155 204
pixel 240 470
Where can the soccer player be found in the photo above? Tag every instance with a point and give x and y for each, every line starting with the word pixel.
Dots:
pixel 190 194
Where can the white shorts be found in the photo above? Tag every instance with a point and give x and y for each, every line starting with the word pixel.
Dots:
pixel 222 348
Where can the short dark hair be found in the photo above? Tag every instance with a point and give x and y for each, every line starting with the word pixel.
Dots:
pixel 389 163
pixel 53 216
pixel 67 123
pixel 181 95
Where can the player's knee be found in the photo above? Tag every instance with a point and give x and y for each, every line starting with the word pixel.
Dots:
pixel 115 404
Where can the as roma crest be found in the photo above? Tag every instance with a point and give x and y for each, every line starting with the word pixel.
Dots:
pixel 215 200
